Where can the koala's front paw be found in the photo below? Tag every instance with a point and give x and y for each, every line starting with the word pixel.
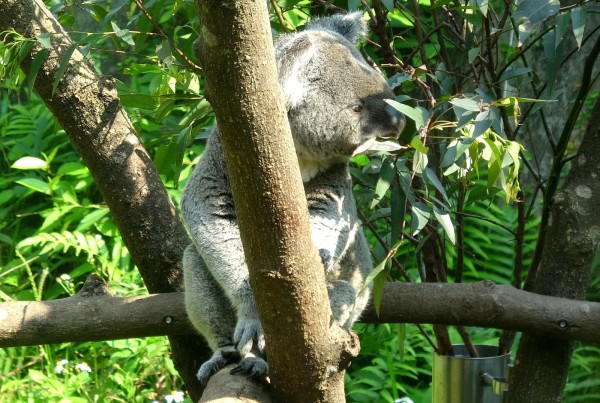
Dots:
pixel 252 367
pixel 248 334
pixel 326 259
pixel 222 357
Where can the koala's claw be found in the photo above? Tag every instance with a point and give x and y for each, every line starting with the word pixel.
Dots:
pixel 248 334
pixel 252 367
pixel 222 357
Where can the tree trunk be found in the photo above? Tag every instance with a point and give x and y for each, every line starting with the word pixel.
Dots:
pixel 286 274
pixel 88 109
pixel 542 363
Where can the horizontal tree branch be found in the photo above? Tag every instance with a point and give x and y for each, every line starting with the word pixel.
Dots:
pixel 482 304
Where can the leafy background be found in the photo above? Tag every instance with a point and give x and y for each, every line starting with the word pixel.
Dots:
pixel 451 176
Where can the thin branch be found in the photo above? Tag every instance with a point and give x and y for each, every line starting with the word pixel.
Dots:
pixel 197 69
pixel 279 15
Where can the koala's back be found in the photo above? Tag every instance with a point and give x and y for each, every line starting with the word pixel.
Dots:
pixel 207 192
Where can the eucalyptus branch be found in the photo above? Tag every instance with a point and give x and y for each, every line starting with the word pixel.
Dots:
pixel 279 15
pixel 197 69
pixel 419 34
pixel 379 28
pixel 441 39
pixel 328 5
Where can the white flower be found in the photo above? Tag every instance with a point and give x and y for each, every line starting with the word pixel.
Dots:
pixel 65 277
pixel 60 366
pixel 175 396
pixel 83 367
pixel 404 400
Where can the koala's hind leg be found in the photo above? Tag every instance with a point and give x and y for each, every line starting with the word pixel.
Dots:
pixel 210 312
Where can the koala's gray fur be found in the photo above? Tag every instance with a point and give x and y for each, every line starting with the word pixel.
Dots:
pixel 335 104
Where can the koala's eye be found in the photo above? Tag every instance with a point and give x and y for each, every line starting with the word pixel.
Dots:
pixel 357 108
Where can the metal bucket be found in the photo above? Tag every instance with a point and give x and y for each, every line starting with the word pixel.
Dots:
pixel 464 379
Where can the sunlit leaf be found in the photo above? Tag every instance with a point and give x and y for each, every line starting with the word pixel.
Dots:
pixel 44 40
pixel 30 163
pixel 420 162
pixel 122 34
pixel 415 114
pixel 374 273
pixel 35 184
pixel 418 145
pixel 578 17
pixel 419 217
pixel 445 221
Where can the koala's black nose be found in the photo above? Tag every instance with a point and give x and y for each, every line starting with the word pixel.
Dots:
pixel 396 120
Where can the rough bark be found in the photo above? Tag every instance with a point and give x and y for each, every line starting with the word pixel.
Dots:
pixel 542 363
pixel 102 317
pixel 87 107
pixel 286 275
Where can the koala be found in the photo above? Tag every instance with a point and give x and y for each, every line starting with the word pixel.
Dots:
pixel 336 105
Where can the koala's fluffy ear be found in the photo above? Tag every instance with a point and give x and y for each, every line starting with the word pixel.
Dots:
pixel 352 26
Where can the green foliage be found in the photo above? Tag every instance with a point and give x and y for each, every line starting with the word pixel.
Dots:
pixel 88 372
pixel 395 362
pixel 465 80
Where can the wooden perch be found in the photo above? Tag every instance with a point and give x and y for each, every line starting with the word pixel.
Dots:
pixel 484 304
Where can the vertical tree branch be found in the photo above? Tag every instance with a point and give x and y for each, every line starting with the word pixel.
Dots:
pixel 286 274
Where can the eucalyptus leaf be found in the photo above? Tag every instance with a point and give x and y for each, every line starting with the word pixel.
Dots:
pixel 122 34
pixel 386 177
pixel 35 184
pixel 420 162
pixel 30 163
pixel 481 123
pixel 415 114
pixel 467 104
pixel 535 11
pixel 432 177
pixel 578 17
pixel 418 145
pixel 420 214
pixel 445 221
pixel 62 67
pixel 44 40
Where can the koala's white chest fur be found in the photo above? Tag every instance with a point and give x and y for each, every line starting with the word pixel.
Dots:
pixel 310 167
